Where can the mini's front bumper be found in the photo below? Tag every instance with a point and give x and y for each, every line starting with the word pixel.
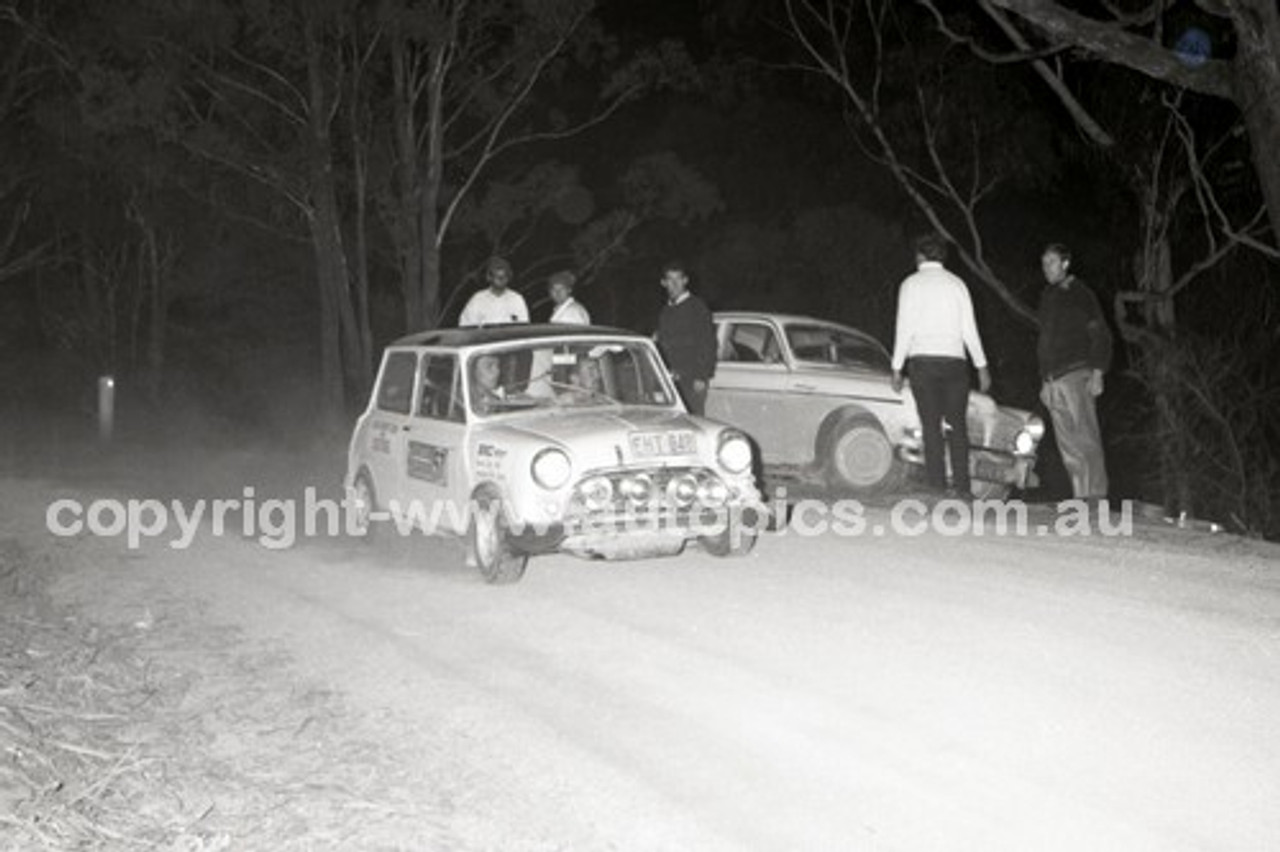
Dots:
pixel 637 534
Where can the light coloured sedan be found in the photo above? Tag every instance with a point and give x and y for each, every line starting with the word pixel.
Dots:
pixel 818 395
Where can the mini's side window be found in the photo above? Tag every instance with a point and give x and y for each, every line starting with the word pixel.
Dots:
pixel 395 391
pixel 441 393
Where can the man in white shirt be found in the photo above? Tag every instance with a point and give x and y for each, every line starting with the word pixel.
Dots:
pixel 566 310
pixel 935 329
pixel 495 305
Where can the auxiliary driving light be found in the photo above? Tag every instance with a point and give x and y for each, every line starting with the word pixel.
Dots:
pixel 713 492
pixel 597 493
pixel 682 490
pixel 637 489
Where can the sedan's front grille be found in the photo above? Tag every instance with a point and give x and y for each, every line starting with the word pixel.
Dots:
pixel 997 433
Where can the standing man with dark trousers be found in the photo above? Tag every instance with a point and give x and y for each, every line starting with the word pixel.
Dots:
pixel 687 338
pixel 1074 351
pixel 935 328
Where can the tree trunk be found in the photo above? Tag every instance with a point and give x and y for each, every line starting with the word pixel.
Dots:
pixel 333 399
pixel 340 343
pixel 1257 92
pixel 360 275
pixel 156 310
pixel 1156 359
pixel 432 176
pixel 407 225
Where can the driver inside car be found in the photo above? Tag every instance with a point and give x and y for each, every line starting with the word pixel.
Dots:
pixel 486 390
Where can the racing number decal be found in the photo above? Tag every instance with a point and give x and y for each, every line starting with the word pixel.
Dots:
pixel 428 463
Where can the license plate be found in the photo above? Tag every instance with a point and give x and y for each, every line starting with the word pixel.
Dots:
pixel 991 471
pixel 649 445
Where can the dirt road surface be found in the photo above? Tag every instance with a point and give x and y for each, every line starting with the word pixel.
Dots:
pixel 880 691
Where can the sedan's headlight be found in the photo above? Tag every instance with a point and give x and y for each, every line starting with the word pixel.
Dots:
pixel 551 468
pixel 734 453
pixel 1024 443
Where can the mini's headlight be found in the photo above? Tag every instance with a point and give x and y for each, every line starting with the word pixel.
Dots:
pixel 597 493
pixel 734 452
pixel 1035 426
pixel 551 468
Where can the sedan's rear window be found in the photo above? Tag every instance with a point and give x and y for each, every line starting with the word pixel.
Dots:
pixel 828 345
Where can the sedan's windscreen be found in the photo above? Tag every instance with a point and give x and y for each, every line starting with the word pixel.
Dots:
pixel 565 375
pixel 827 345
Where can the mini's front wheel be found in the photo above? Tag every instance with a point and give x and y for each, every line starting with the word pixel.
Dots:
pixel 490 544
pixel 364 505
pixel 734 540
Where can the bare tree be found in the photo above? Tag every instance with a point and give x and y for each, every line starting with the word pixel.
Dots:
pixel 1250 79
pixel 267 109
pixel 466 78
pixel 27 53
pixel 844 44
pixel 1173 186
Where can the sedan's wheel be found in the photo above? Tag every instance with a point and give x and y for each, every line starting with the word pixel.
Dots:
pixel 490 546
pixel 861 459
pixel 364 503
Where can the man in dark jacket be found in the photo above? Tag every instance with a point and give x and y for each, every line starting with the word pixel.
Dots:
pixel 1074 351
pixel 687 338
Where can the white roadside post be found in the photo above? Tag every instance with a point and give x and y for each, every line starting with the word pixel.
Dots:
pixel 106 407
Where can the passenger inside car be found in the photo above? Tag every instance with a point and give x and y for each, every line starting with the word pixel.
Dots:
pixel 486 390
pixel 586 381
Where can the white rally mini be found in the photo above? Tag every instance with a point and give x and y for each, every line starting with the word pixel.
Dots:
pixel 531 439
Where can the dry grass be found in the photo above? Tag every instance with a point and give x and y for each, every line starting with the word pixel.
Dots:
pixel 163 735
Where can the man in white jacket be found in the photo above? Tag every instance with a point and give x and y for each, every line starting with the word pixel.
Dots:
pixel 566 310
pixel 495 305
pixel 935 329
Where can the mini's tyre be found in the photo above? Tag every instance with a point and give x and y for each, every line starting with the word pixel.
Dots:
pixel 364 505
pixel 734 541
pixel 489 542
pixel 860 459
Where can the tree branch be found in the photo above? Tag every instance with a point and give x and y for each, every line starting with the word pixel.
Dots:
pixel 1074 108
pixel 837 71
pixel 1110 41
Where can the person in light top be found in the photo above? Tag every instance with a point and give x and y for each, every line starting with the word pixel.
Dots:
pixel 935 330
pixel 566 310
pixel 495 305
